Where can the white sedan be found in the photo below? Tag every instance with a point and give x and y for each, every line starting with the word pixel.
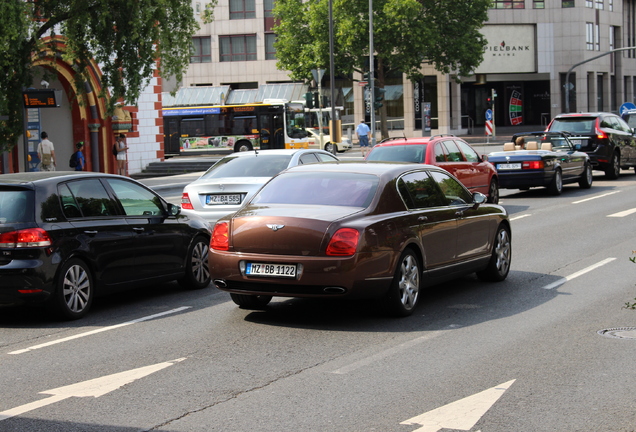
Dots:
pixel 326 144
pixel 234 179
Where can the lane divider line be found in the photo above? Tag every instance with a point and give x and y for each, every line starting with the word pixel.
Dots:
pixel 99 330
pixel 623 213
pixel 561 281
pixel 595 197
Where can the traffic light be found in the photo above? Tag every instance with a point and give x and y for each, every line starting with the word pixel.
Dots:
pixel 378 97
pixel 325 101
pixel 488 103
pixel 309 100
pixel 316 100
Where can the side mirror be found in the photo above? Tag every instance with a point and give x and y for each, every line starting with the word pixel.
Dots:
pixel 479 198
pixel 173 210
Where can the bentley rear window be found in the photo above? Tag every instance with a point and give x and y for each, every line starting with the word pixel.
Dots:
pixel 260 165
pixel 327 189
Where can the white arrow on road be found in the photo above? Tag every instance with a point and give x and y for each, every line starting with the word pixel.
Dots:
pixel 96 387
pixel 459 415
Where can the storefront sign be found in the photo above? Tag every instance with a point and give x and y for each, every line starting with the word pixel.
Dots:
pixel 509 49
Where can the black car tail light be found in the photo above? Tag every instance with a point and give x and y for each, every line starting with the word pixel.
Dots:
pixel 533 165
pixel 600 134
pixel 26 238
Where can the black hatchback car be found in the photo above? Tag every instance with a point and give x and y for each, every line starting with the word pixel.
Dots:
pixel 605 137
pixel 65 237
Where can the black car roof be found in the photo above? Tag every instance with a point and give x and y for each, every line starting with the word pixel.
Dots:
pixel 43 176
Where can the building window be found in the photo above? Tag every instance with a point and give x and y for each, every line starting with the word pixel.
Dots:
pixel 268 8
pixel 538 4
pixel 567 3
pixel 589 36
pixel 612 30
pixel 610 5
pixel 589 3
pixel 599 4
pixel 241 9
pixel 270 51
pixel 238 47
pixel 201 47
pixel 510 4
pixel 597 37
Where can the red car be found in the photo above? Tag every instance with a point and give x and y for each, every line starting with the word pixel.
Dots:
pixel 445 151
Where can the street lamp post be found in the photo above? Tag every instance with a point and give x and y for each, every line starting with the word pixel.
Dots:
pixel 567 75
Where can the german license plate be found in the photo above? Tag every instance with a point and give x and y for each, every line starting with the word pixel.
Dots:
pixel 509 166
pixel 271 270
pixel 223 199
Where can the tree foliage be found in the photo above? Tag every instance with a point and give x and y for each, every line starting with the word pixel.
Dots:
pixel 407 34
pixel 125 38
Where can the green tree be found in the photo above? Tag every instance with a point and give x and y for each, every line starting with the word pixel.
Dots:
pixel 407 34
pixel 124 37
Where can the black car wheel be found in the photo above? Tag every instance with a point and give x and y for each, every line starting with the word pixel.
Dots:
pixel 499 264
pixel 197 274
pixel 614 170
pixel 329 147
pixel 245 301
pixel 556 185
pixel 403 294
pixel 493 192
pixel 74 290
pixel 586 178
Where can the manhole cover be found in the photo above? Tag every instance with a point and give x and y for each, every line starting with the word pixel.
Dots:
pixel 619 333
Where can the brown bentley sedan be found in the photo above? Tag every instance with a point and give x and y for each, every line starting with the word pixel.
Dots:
pixel 358 230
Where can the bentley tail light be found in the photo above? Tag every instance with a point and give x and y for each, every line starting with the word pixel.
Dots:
pixel 185 202
pixel 344 242
pixel 26 238
pixel 220 237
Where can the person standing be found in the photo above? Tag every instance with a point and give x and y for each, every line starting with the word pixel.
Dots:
pixel 363 137
pixel 121 153
pixel 46 153
pixel 81 162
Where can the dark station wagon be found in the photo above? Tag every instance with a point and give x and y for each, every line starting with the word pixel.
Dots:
pixel 65 237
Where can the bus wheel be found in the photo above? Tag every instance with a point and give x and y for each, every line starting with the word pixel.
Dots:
pixel 242 146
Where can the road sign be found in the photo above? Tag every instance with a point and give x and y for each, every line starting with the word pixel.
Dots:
pixel 489 114
pixel 626 107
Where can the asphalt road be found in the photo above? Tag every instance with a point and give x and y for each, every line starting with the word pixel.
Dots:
pixel 521 355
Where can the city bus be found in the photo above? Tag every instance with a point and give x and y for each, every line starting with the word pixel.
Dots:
pixel 273 124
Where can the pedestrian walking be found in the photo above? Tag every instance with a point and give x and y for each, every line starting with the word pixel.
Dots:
pixel 363 137
pixel 77 160
pixel 46 153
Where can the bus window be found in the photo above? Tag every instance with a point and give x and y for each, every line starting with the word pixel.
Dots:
pixel 192 127
pixel 244 125
pixel 295 121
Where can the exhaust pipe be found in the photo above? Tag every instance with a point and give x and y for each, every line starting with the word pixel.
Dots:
pixel 334 290
pixel 220 283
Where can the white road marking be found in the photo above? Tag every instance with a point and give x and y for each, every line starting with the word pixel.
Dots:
pixel 92 388
pixel 623 213
pixel 561 281
pixel 459 415
pixel 520 217
pixel 100 330
pixel 386 353
pixel 595 197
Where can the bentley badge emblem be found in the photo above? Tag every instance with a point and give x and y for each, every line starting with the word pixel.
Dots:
pixel 275 227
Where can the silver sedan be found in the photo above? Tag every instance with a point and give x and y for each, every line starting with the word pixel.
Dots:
pixel 236 178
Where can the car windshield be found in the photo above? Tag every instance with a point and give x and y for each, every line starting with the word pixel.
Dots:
pixel 13 206
pixel 324 189
pixel 398 153
pixel 574 125
pixel 256 165
pixel 558 141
